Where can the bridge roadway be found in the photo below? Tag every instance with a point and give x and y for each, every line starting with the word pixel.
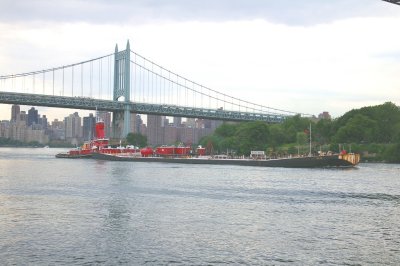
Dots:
pixel 138 108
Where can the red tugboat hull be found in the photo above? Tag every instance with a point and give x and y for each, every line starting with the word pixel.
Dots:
pixel 72 156
pixel 98 145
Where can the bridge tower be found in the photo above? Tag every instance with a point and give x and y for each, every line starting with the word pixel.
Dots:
pixel 122 120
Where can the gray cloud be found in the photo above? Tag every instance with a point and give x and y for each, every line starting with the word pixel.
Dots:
pixel 299 12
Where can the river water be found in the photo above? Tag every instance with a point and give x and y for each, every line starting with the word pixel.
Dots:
pixel 85 212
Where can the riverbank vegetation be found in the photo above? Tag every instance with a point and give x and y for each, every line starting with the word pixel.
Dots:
pixel 7 142
pixel 373 131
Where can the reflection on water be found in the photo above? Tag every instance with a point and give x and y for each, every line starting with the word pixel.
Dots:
pixel 59 211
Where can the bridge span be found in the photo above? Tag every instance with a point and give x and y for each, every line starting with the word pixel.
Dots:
pixel 87 103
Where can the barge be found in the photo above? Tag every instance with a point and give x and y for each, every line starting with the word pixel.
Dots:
pixel 100 149
pixel 338 160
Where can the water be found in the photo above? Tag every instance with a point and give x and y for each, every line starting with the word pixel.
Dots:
pixel 85 212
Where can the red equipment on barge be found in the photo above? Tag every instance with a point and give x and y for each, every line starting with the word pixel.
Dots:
pixel 179 151
pixel 172 151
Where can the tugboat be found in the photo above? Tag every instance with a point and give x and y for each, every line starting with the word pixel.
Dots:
pixel 99 145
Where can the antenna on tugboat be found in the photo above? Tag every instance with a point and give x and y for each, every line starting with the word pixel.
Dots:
pixel 310 154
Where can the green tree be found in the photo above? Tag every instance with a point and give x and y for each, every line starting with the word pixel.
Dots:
pixel 228 143
pixel 372 128
pixel 136 139
pixel 358 129
pixel 302 138
pixel 386 116
pixel 226 130
pixel 392 153
pixel 252 136
pixel 294 124
pixel 323 131
pixel 277 136
pixel 396 133
pixel 212 143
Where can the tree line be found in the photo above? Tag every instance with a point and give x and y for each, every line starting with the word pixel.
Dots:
pixel 7 142
pixel 373 131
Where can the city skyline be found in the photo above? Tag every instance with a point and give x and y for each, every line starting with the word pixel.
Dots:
pixel 30 125
pixel 82 113
pixel 305 57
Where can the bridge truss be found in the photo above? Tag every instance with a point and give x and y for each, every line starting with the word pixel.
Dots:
pixel 86 103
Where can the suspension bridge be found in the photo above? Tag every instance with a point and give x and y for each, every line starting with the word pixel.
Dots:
pixel 125 82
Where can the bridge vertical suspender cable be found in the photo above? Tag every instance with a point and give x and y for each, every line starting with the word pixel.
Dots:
pixel 53 81
pixel 72 81
pixel 63 81
pixel 33 83
pixel 100 79
pixel 82 80
pixel 91 79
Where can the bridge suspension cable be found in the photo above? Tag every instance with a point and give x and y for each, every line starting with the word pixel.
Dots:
pixel 74 80
pixel 195 94
pixel 150 84
pixel 52 69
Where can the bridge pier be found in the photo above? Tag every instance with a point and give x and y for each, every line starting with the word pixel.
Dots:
pixel 122 120
pixel 127 120
pixel 117 124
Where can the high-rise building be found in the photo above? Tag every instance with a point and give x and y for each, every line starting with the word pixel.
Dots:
pixel 139 124
pixel 57 130
pixel 188 135
pixel 43 122
pixel 159 131
pixel 73 128
pixel 17 131
pixel 33 116
pixel 324 115
pixel 190 122
pixel 38 135
pixel 212 124
pixel 177 121
pixel 136 123
pixel 89 124
pixel 22 118
pixel 5 129
pixel 155 131
pixel 57 124
pixel 15 110
pixel 171 135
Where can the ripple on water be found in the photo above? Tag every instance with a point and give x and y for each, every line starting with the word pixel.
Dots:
pixel 84 212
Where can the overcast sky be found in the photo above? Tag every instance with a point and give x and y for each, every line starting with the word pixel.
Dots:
pixel 305 56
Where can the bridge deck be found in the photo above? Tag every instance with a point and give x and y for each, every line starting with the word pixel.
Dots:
pixel 139 108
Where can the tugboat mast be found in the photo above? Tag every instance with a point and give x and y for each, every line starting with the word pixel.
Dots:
pixel 310 154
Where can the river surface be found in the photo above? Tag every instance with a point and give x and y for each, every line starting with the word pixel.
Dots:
pixel 88 212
